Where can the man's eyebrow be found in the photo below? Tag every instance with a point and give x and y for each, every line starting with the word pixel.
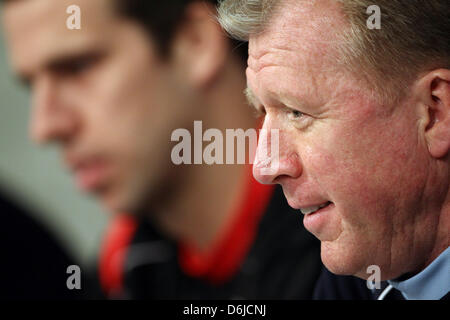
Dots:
pixel 66 60
pixel 62 61
pixel 288 101
pixel 251 99
pixel 254 102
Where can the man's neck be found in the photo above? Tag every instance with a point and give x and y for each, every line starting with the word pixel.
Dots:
pixel 204 204
pixel 442 239
pixel 204 209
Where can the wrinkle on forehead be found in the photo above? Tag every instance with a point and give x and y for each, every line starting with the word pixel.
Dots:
pixel 298 45
pixel 272 56
pixel 308 26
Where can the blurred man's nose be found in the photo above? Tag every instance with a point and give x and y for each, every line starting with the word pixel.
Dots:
pixel 275 156
pixel 51 119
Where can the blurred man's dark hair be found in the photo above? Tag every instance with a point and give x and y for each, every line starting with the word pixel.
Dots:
pixel 162 18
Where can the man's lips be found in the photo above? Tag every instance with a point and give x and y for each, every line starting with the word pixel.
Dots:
pixel 317 222
pixel 316 214
pixel 90 173
pixel 307 207
pixel 313 209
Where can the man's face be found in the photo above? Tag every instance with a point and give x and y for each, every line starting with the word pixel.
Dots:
pixel 102 93
pixel 339 147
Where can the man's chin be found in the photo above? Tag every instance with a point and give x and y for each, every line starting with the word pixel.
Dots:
pixel 123 204
pixel 341 261
pixel 112 206
pixel 114 202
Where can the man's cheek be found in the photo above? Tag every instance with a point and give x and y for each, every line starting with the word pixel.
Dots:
pixel 340 176
pixel 324 165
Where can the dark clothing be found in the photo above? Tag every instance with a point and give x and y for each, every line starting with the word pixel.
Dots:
pixel 334 287
pixel 33 265
pixel 283 263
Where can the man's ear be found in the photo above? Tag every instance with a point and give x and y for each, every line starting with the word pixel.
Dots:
pixel 200 47
pixel 435 95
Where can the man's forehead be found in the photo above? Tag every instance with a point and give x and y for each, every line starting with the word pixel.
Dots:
pixel 36 30
pixel 306 25
pixel 295 52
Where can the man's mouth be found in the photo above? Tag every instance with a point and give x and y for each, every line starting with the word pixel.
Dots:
pixel 311 210
pixel 90 173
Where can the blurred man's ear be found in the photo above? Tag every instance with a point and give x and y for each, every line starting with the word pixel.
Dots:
pixel 435 95
pixel 200 47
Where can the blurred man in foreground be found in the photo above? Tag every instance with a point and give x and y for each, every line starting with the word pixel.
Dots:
pixel 111 94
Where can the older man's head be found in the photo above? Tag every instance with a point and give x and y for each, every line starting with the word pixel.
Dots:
pixel 364 120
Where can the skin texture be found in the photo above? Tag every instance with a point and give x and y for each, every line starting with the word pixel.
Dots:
pixel 375 162
pixel 111 102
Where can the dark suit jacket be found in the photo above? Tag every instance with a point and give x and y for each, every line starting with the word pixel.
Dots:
pixel 334 287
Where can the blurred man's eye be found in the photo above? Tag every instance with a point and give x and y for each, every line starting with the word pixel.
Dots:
pixel 75 66
pixel 67 67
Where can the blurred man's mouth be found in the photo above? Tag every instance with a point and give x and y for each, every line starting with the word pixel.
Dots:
pixel 90 173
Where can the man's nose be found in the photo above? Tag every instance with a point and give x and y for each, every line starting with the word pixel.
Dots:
pixel 51 119
pixel 275 156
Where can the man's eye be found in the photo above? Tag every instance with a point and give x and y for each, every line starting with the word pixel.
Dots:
pixel 75 66
pixel 295 114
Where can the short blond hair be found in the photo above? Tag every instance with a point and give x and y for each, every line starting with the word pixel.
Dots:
pixel 414 37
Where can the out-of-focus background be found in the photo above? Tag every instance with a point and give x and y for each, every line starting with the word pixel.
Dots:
pixel 36 179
